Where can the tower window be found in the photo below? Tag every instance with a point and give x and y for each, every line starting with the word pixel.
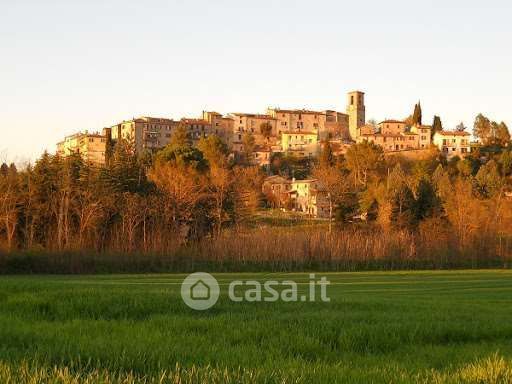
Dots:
pixel 351 100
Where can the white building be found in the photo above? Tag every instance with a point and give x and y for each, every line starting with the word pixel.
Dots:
pixel 452 143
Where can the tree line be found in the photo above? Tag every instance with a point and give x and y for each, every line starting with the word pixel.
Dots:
pixel 183 193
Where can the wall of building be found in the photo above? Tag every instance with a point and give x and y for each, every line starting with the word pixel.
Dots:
pixel 356 112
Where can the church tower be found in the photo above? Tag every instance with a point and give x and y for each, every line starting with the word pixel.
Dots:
pixel 355 112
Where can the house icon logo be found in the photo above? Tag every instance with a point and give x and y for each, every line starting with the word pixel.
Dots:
pixel 200 291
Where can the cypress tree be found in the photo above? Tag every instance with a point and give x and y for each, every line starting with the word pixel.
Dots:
pixel 437 125
pixel 417 115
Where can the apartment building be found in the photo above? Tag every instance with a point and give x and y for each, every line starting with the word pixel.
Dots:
pixel 297 120
pixel 146 133
pixel 90 146
pixel 327 124
pixel 261 127
pixel 220 126
pixel 196 128
pixel 452 143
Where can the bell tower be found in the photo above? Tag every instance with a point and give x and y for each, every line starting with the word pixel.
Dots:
pixel 355 112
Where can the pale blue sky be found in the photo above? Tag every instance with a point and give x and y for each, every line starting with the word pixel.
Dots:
pixel 72 65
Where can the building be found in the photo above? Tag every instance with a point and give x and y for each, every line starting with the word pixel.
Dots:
pixel 393 135
pixel 392 127
pixel 300 144
pixel 220 126
pixel 276 190
pixel 90 146
pixel 424 133
pixel 309 197
pixel 145 133
pixel 356 113
pixel 297 120
pixel 262 155
pixel 336 126
pixel 301 196
pixel 452 143
pixel 328 123
pixel 261 127
pixel 196 128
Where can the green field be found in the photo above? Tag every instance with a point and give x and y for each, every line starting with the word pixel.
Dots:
pixel 379 327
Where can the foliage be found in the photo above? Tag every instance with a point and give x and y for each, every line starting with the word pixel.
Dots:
pixel 417 115
pixel 437 125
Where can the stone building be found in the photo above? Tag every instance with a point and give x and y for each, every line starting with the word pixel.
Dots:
pixel 146 133
pixel 220 126
pixel 328 123
pixel 254 124
pixel 356 112
pixel 90 146
pixel 196 128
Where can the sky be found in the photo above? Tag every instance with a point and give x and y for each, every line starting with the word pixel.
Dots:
pixel 69 65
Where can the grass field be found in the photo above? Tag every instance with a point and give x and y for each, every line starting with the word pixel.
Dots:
pixel 438 327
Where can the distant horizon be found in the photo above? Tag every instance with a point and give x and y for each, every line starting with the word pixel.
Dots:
pixel 69 66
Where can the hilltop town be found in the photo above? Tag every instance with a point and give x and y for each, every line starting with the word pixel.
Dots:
pixel 295 132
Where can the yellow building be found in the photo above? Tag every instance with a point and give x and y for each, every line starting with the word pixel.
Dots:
pixel 425 135
pixel 308 196
pixel 90 146
pixel 452 143
pixel 300 144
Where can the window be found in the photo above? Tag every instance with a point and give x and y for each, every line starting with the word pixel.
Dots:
pixel 351 100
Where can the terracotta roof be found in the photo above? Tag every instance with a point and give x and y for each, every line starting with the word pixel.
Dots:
pixel 153 119
pixel 380 135
pixel 254 115
pixel 392 122
pixel 298 133
pixel 304 181
pixel 195 121
pixel 453 133
pixel 303 111
pixel 262 148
